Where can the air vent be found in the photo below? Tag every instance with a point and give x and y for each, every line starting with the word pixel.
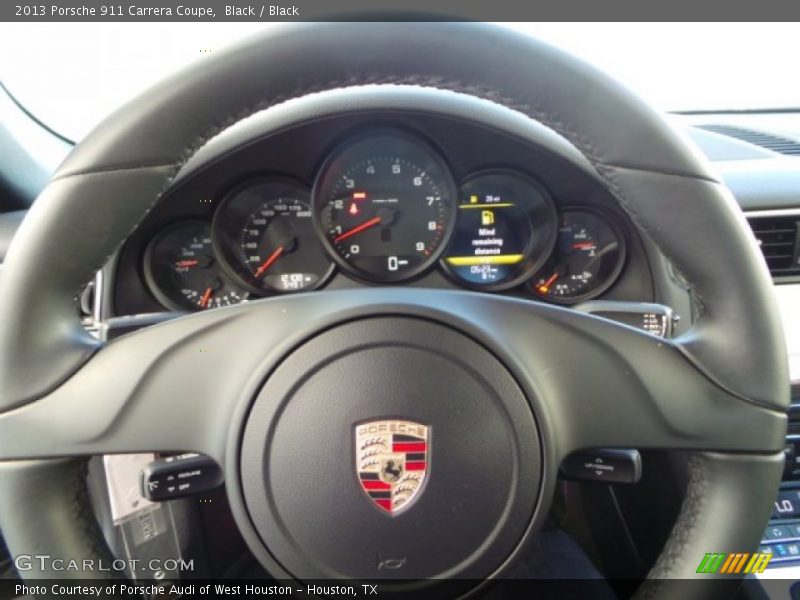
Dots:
pixel 775 143
pixel 780 243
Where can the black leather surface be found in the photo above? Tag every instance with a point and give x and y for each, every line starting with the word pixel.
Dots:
pixel 135 152
pixel 56 246
pixel 49 503
pixel 728 500
pixel 114 177
pixel 717 252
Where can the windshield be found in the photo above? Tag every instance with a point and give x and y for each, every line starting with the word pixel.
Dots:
pixel 71 77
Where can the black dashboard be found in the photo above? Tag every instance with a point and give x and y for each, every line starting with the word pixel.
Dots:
pixel 381 198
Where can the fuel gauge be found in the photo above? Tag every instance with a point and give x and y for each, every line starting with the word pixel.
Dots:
pixel 505 229
pixel 182 271
pixel 588 258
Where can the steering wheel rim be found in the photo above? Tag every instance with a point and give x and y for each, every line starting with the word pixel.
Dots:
pixel 658 179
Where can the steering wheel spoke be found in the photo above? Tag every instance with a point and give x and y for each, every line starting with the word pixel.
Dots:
pixel 178 385
pixel 169 387
pixel 604 384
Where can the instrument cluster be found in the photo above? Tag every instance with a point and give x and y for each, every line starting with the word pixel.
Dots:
pixel 384 208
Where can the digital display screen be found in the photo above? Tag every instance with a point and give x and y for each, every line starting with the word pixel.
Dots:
pixel 491 238
pixel 506 225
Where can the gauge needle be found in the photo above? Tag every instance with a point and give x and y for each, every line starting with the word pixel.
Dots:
pixel 584 246
pixel 206 297
pixel 268 263
pixel 545 287
pixel 187 263
pixel 603 251
pixel 357 229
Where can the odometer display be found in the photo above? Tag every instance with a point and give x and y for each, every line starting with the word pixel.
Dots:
pixel 384 205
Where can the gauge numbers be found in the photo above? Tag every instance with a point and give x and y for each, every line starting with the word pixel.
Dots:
pixel 588 258
pixel 265 235
pixel 182 271
pixel 385 206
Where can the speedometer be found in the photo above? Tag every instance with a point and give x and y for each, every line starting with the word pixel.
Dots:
pixel 264 233
pixel 384 205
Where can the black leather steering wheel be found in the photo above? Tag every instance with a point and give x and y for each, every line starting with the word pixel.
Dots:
pixel 542 381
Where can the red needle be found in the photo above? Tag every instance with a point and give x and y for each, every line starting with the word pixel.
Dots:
pixel 206 297
pixel 583 246
pixel 545 287
pixel 357 229
pixel 268 263
pixel 188 263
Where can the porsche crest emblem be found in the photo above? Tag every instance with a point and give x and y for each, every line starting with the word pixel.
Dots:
pixel 391 461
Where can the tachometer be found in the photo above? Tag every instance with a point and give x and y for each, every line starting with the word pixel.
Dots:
pixel 264 233
pixel 384 204
pixel 588 258
pixel 182 271
pixel 505 229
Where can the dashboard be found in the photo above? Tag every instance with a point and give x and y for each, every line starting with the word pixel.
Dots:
pixel 381 199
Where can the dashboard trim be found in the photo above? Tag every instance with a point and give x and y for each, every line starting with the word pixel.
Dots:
pixel 524 147
pixel 774 212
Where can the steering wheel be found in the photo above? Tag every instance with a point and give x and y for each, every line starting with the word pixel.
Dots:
pixel 274 390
